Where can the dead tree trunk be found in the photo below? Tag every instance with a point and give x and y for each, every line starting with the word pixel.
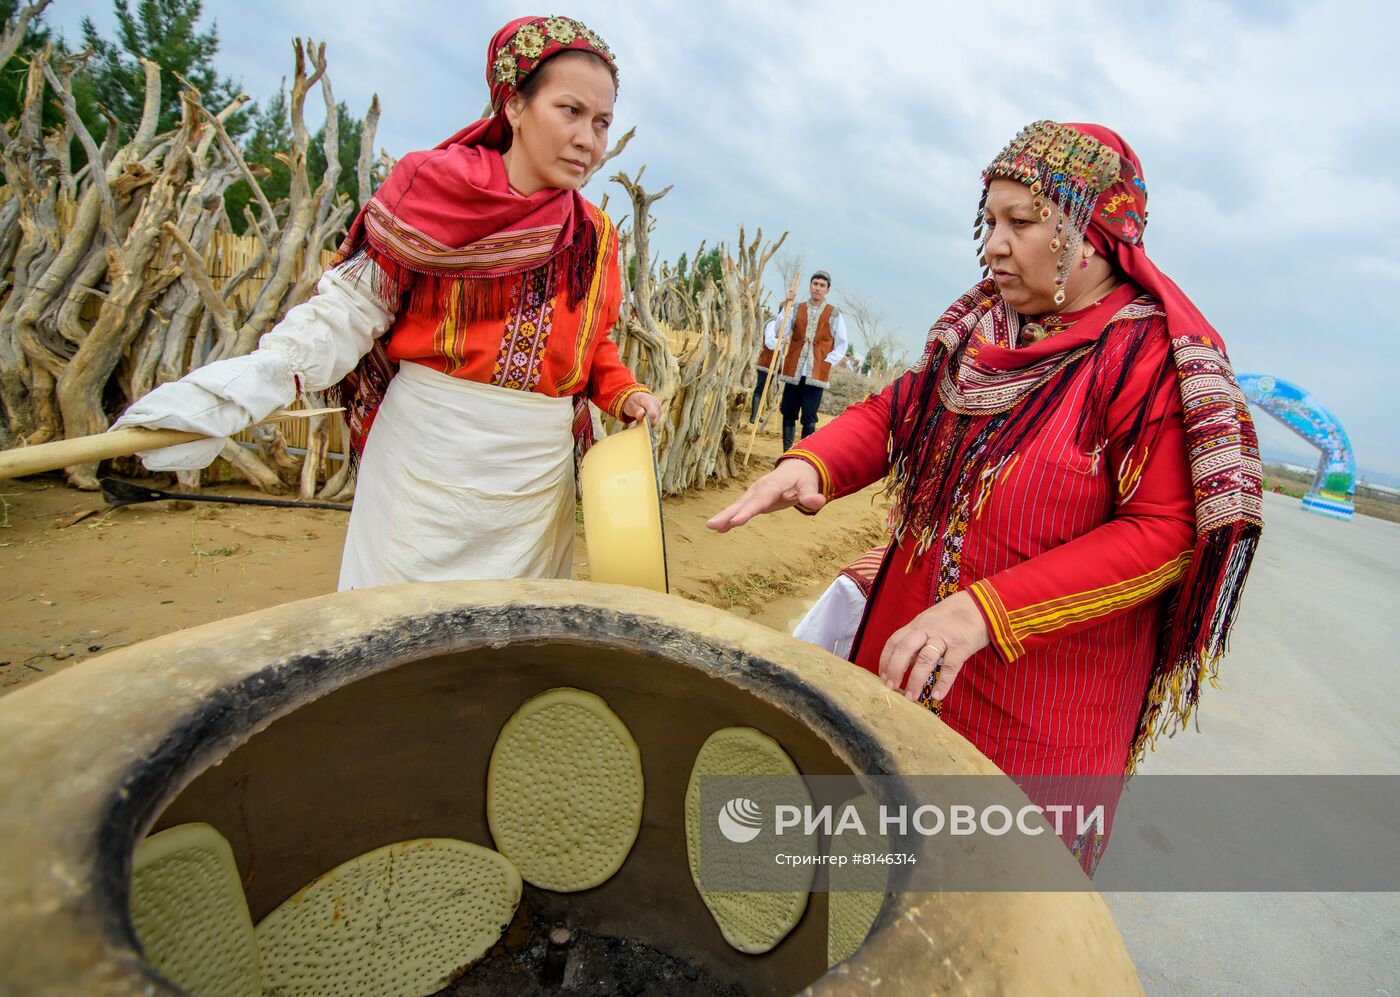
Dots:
pixel 103 276
pixel 661 370
pixel 694 343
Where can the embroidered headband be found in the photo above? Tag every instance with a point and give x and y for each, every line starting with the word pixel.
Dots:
pixel 1087 180
pixel 524 44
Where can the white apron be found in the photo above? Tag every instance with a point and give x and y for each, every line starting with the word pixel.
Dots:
pixel 462 480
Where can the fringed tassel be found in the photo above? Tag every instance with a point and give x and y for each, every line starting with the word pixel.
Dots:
pixel 1197 636
pixel 1130 470
pixel 583 436
pixel 989 479
pixel 577 263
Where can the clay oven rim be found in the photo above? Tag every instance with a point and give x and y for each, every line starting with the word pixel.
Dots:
pixel 184 701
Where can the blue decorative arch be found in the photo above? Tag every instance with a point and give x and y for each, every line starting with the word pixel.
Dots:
pixel 1334 485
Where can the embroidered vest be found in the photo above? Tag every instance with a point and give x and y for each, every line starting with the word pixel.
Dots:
pixel 821 344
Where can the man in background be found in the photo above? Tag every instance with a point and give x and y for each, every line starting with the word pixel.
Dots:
pixel 817 341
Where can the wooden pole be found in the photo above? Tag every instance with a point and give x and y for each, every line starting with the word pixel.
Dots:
pixel 779 356
pixel 21 461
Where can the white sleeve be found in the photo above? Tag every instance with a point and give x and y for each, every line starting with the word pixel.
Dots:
pixel 322 339
pixel 833 620
pixel 770 334
pixel 840 342
pixel 317 343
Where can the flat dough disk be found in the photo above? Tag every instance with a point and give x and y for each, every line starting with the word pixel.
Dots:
pixel 564 791
pixel 750 922
pixel 850 912
pixel 190 915
pixel 404 920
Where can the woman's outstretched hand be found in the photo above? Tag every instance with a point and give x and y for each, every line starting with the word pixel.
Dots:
pixel 789 483
pixel 952 630
pixel 643 403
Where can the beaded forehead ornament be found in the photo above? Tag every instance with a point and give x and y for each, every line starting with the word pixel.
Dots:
pixel 1081 176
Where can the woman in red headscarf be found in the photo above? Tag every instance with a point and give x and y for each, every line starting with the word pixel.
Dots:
pixel 1075 482
pixel 466 319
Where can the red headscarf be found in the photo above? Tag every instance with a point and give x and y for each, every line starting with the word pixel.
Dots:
pixel 1116 232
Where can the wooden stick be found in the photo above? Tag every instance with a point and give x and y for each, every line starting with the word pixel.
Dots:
pixel 779 356
pixel 23 461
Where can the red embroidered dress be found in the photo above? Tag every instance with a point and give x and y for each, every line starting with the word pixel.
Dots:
pixel 1070 563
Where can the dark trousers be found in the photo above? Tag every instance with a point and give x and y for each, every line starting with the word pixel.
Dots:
pixel 757 394
pixel 801 397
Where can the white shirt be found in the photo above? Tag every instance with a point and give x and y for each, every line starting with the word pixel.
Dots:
pixel 770 334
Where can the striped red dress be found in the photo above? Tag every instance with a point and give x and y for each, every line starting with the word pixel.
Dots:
pixel 1070 564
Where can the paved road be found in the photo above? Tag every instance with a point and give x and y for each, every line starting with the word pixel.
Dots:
pixel 1312 685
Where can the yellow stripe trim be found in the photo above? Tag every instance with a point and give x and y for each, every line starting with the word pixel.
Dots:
pixel 1087 609
pixel 823 475
pixel 1048 605
pixel 588 319
pixel 615 409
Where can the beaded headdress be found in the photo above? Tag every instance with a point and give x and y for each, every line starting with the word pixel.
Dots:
pixel 1085 179
pixel 521 46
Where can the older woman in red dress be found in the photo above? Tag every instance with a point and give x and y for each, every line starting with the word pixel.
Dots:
pixel 1074 474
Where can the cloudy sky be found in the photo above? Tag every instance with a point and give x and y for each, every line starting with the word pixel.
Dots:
pixel 1269 134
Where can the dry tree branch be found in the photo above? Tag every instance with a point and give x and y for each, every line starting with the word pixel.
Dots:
pixel 221 118
pixel 214 302
pixel 14 31
pixel 362 167
pixel 237 155
pixel 106 201
pixel 612 153
pixel 330 146
pixel 150 112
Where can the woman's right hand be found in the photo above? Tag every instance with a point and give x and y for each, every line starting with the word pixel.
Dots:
pixel 191 408
pixel 217 400
pixel 791 482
